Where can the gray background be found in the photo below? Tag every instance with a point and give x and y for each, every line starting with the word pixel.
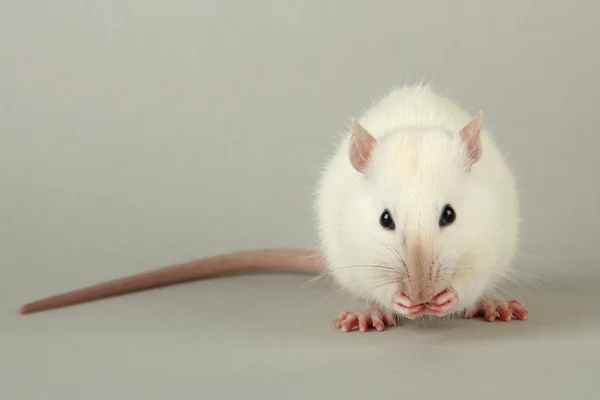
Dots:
pixel 135 134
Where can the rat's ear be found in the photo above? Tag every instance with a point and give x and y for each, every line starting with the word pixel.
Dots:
pixel 361 146
pixel 470 136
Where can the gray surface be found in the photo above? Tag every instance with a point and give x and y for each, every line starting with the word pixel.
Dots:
pixel 134 134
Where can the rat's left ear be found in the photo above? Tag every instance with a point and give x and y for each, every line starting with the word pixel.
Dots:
pixel 470 136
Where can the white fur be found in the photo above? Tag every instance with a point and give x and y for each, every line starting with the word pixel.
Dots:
pixel 414 171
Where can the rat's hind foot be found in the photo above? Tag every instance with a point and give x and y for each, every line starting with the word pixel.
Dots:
pixel 364 319
pixel 494 308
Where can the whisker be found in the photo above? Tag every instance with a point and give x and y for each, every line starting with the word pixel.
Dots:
pixel 392 282
pixel 364 266
pixel 328 273
pixel 391 249
pixel 349 179
pixel 504 290
pixel 312 280
pixel 382 258
pixel 333 293
pixel 316 255
pixel 553 264
pixel 530 278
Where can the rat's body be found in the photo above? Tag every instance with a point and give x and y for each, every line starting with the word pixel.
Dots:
pixel 417 214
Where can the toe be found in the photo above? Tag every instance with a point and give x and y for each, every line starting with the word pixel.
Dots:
pixel 339 319
pixel 505 312
pixel 363 323
pixel 342 315
pixel 378 322
pixel 389 319
pixel 518 301
pixel 491 313
pixel 472 312
pixel 349 322
pixel 518 310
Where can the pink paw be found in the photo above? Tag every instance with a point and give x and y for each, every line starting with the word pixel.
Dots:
pixel 406 307
pixel 439 306
pixel 494 308
pixel 366 318
pixel 442 303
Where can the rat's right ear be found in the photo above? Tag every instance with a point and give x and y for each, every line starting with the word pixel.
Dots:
pixel 362 144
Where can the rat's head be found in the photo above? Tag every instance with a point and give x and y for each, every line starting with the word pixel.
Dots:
pixel 416 213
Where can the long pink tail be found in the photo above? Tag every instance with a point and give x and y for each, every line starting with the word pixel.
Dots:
pixel 301 260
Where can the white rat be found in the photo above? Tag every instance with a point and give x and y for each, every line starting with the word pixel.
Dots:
pixel 417 214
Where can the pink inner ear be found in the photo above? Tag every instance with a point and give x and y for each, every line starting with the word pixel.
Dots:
pixel 362 144
pixel 470 135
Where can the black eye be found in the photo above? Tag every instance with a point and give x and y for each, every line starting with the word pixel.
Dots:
pixel 386 221
pixel 448 216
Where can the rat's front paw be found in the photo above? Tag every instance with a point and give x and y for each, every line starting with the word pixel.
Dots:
pixel 441 304
pixel 364 319
pixel 494 308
